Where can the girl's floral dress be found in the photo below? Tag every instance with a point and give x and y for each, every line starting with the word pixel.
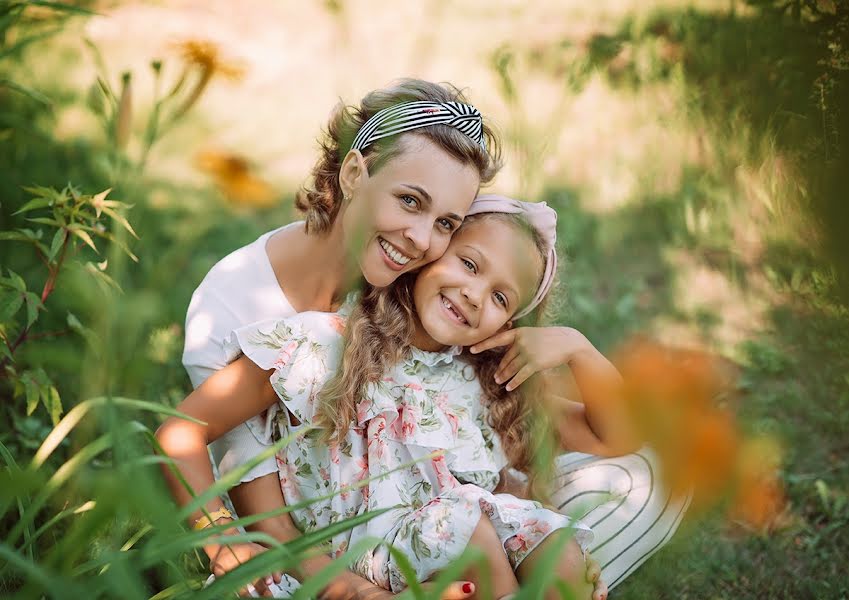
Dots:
pixel 429 402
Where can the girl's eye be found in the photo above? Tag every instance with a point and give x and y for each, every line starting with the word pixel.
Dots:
pixel 469 265
pixel 446 224
pixel 501 299
pixel 409 201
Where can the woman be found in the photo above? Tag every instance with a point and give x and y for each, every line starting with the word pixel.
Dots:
pixel 384 201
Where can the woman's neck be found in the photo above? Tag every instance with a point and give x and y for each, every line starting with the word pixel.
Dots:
pixel 314 271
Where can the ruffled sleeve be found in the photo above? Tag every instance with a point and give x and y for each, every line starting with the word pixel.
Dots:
pixel 303 351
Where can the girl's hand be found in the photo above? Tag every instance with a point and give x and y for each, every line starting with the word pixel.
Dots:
pixel 228 558
pixel 532 349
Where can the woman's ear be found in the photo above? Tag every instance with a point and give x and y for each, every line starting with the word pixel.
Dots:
pixel 352 171
pixel 506 326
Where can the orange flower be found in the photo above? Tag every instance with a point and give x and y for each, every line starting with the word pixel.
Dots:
pixel 760 498
pixel 670 398
pixel 232 174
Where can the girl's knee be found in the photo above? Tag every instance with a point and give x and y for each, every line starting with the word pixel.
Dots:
pixel 485 534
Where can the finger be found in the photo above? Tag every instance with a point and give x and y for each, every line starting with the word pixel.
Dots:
pixel 458 590
pixel 261 587
pixel 510 370
pixel 511 353
pixel 600 591
pixel 499 339
pixel 277 577
pixel 520 377
pixel 593 570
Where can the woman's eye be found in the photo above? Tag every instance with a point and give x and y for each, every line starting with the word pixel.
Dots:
pixel 409 201
pixel 469 265
pixel 501 299
pixel 446 224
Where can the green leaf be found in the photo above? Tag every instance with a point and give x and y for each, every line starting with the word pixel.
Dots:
pixel 63 7
pixel 33 394
pixel 46 221
pixel 123 222
pixel 84 237
pixel 90 337
pixel 17 281
pixel 26 91
pixel 122 246
pixel 33 304
pixel 33 204
pixel 53 404
pixel 56 245
pixel 10 303
pixel 103 280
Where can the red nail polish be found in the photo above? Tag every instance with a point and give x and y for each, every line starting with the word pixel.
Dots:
pixel 468 588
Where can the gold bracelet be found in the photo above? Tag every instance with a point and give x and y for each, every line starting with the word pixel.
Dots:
pixel 206 521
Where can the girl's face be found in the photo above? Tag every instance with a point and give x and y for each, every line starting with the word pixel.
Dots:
pixel 401 217
pixel 490 271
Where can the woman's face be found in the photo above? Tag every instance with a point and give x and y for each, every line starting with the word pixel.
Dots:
pixel 490 271
pixel 401 217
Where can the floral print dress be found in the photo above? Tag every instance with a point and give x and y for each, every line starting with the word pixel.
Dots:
pixel 429 402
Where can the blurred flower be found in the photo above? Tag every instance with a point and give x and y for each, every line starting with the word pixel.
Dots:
pixel 124 116
pixel 205 57
pixel 232 174
pixel 163 343
pixel 672 398
pixel 759 499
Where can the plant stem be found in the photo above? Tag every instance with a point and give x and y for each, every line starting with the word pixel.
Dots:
pixel 45 292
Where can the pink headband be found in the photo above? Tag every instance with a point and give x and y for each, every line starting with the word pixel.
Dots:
pixel 542 218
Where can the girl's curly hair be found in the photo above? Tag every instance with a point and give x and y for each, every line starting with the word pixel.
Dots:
pixel 378 335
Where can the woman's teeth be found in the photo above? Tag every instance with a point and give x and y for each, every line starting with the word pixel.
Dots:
pixel 447 304
pixel 396 256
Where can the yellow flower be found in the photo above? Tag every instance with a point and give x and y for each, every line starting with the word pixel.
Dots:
pixel 203 56
pixel 206 55
pixel 232 174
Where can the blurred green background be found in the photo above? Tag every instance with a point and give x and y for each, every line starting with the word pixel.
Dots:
pixel 697 153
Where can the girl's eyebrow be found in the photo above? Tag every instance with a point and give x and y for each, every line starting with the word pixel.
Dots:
pixel 429 201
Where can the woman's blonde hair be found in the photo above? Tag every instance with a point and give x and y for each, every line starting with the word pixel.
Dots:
pixel 321 199
pixel 378 335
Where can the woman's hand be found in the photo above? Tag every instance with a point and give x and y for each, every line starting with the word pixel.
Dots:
pixel 225 558
pixel 532 349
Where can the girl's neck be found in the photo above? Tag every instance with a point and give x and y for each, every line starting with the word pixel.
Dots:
pixel 423 341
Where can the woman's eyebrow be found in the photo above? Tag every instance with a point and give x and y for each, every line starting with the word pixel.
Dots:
pixel 429 201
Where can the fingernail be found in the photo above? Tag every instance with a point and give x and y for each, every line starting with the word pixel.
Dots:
pixel 269 580
pixel 473 350
pixel 497 379
pixel 468 588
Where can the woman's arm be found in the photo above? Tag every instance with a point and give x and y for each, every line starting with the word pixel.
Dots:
pixel 186 443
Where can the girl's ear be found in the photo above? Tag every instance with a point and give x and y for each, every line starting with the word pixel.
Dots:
pixel 352 171
pixel 506 326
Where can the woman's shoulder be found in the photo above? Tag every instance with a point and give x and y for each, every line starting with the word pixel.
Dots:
pixel 249 263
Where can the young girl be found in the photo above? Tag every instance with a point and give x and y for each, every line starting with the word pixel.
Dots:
pixel 388 405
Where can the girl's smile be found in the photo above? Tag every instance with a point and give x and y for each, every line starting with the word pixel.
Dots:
pixel 490 270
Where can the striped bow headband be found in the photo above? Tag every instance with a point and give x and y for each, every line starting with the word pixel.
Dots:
pixel 414 115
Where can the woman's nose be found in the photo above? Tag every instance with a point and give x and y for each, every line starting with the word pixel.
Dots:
pixel 419 235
